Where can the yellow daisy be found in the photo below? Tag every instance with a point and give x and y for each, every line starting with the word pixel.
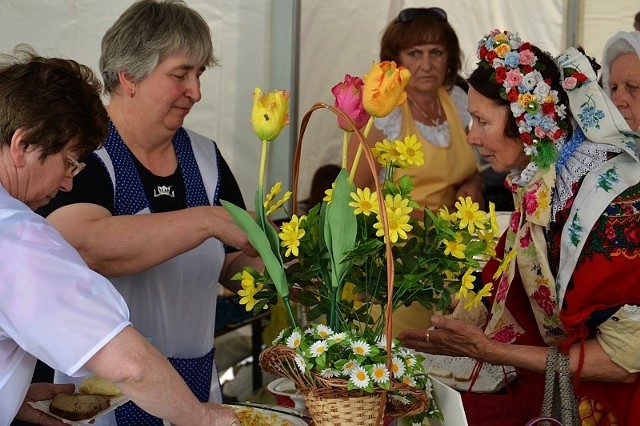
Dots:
pixel 466 285
pixel 291 234
pixel 386 152
pixel 470 214
pixel 328 193
pixel 504 264
pixel 484 292
pixel 249 290
pixel 455 248
pixel 279 203
pixel 410 152
pixel 365 201
pixel 275 190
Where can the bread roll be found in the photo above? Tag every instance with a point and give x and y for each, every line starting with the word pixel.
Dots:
pixel 98 386
pixel 78 406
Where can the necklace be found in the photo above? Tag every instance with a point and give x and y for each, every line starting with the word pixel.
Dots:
pixel 434 122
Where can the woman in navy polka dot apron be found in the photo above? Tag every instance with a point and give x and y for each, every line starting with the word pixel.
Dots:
pixel 145 211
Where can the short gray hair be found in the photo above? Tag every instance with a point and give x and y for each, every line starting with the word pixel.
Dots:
pixel 148 32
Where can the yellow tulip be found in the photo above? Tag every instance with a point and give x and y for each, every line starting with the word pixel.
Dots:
pixel 384 88
pixel 270 113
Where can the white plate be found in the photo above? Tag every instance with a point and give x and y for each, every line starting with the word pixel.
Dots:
pixel 490 379
pixel 116 401
pixel 296 421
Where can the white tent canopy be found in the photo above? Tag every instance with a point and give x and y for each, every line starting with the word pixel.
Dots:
pixel 302 46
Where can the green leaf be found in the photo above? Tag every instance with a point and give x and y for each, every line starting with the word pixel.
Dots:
pixel 260 242
pixel 264 223
pixel 406 185
pixel 340 228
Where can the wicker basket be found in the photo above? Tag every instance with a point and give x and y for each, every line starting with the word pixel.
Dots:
pixel 329 401
pixel 330 407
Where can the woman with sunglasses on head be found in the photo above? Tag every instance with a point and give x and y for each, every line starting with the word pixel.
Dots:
pixel 422 40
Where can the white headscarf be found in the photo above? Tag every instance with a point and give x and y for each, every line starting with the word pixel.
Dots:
pixel 621 42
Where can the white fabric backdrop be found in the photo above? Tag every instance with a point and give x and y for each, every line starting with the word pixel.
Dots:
pixel 336 37
pixel 74 28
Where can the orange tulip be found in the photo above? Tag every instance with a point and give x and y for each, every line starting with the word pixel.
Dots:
pixel 384 88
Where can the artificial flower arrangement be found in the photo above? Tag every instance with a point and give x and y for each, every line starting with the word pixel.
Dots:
pixel 358 248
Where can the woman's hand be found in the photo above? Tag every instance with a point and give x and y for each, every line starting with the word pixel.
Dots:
pixel 42 392
pixel 472 187
pixel 449 337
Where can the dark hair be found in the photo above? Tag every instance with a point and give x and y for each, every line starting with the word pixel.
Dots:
pixel 322 180
pixel 55 100
pixel 424 28
pixel 483 81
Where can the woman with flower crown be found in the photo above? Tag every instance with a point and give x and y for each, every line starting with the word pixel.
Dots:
pixel 423 41
pixel 569 282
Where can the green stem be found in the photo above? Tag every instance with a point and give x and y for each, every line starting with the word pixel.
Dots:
pixel 292 318
pixel 345 146
pixel 356 159
pixel 263 162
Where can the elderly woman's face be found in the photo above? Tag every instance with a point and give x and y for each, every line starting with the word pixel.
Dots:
pixel 37 182
pixel 487 133
pixel 166 96
pixel 624 82
pixel 428 66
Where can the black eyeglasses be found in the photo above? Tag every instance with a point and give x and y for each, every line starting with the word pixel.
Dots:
pixel 411 13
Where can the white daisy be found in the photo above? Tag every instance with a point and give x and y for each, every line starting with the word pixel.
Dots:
pixel 379 373
pixel 407 380
pixel 338 337
pixel 359 377
pixel 308 331
pixel 318 348
pixel 360 347
pixel 410 361
pixel 349 366
pixel 323 331
pixel 381 342
pixel 328 373
pixel 301 363
pixel 294 340
pixel 278 338
pixel 397 367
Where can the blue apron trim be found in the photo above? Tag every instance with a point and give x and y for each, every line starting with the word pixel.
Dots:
pixel 196 372
pixel 127 178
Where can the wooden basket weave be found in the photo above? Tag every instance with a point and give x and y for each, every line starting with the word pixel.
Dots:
pixel 328 400
pixel 321 392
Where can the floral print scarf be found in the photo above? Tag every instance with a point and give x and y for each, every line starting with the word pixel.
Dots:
pixel 601 133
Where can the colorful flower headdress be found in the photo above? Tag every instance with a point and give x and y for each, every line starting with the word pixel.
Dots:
pixel 540 118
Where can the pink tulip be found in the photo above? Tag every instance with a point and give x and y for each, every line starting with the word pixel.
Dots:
pixel 348 94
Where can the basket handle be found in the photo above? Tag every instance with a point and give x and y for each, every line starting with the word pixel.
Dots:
pixel 381 206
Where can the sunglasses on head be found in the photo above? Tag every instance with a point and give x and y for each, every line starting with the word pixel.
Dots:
pixel 411 13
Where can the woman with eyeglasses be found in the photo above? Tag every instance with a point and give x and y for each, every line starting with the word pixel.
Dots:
pixel 423 41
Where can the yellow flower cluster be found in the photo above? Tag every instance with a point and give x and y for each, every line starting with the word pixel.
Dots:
pixel 400 154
